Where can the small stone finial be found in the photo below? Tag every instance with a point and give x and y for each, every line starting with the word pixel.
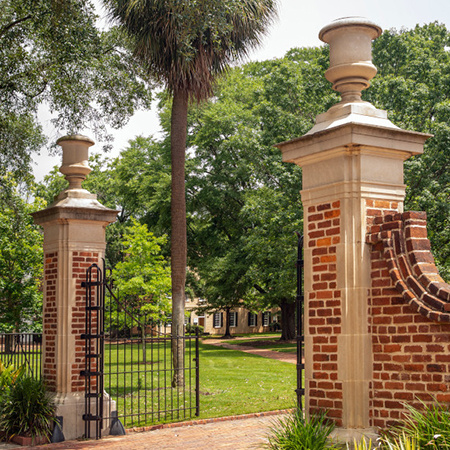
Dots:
pixel 75 159
pixel 351 67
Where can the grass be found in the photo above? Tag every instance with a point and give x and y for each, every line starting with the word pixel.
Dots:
pixel 233 382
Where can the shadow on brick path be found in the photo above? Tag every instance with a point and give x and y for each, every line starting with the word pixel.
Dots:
pixel 234 433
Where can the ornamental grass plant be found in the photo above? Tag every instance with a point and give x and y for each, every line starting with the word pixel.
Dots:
pixel 27 409
pixel 294 432
pixel 428 427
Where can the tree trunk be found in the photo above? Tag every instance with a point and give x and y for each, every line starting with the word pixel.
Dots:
pixel 9 343
pixel 287 320
pixel 178 135
pixel 227 334
pixel 144 349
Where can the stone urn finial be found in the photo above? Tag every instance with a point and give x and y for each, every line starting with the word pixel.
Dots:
pixel 351 67
pixel 75 159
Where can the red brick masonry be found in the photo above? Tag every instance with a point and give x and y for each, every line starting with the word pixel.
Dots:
pixel 410 318
pixel 49 321
pixel 325 309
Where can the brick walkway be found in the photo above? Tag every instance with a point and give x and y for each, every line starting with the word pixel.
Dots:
pixel 238 433
pixel 279 356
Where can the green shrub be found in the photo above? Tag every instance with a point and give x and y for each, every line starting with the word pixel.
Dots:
pixel 8 375
pixel 191 329
pixel 296 433
pixel 27 409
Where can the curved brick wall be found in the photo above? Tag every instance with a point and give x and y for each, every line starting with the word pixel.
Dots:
pixel 411 265
pixel 409 310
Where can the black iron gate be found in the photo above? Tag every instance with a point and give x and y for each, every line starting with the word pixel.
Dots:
pixel 129 367
pixel 300 335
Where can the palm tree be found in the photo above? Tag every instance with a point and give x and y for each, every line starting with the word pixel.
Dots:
pixel 186 44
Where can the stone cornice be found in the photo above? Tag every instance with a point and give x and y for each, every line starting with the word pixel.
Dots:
pixel 400 143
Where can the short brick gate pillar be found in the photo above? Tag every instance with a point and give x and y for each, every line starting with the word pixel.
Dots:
pixel 352 163
pixel 74 238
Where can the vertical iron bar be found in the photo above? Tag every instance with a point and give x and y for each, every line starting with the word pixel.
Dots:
pixel 299 303
pixel 197 373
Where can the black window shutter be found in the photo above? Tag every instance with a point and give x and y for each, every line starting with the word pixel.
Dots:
pixel 221 319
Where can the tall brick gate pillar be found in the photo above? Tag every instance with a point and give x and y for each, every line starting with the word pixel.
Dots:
pixel 352 162
pixel 74 238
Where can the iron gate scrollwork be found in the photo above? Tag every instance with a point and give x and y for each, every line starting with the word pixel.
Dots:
pixel 129 366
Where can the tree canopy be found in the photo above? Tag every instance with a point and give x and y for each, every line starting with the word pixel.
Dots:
pixel 413 85
pixel 243 203
pixel 21 261
pixel 52 53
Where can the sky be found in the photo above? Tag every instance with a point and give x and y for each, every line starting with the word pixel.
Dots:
pixel 298 25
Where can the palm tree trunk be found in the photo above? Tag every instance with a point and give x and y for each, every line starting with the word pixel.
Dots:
pixel 178 135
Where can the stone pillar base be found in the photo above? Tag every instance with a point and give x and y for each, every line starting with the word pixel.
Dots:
pixel 349 435
pixel 71 408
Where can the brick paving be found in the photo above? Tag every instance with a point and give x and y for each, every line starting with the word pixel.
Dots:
pixel 236 433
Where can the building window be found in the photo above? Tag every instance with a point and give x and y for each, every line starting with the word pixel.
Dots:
pixel 218 320
pixel 252 319
pixel 266 318
pixel 232 317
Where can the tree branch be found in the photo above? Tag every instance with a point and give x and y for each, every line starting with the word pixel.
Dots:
pixel 6 28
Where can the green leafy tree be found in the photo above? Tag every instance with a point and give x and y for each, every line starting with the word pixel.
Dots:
pixel 143 278
pixel 413 85
pixel 242 198
pixel 52 53
pixel 187 45
pixel 21 261
pixel 224 285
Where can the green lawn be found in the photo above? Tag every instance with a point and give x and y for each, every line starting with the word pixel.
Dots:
pixel 233 382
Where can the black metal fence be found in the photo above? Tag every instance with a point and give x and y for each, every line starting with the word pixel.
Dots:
pixel 139 377
pixel 300 391
pixel 22 349
pixel 130 371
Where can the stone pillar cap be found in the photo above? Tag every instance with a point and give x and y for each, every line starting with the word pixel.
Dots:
pixel 76 137
pixel 347 22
